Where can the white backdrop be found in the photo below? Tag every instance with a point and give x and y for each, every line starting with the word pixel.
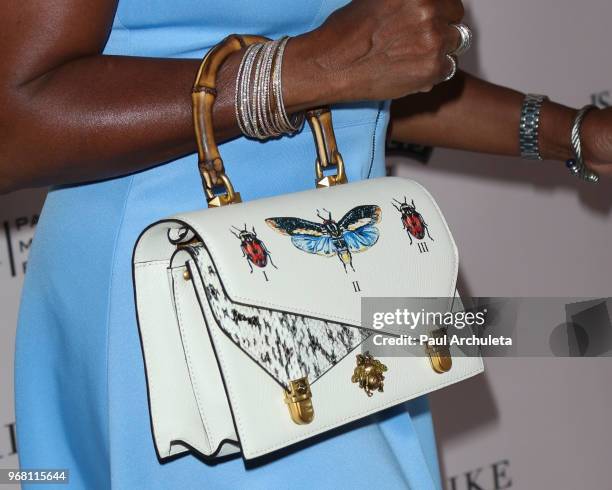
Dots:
pixel 526 229
pixel 527 423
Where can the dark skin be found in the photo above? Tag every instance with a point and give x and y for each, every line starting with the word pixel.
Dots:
pixel 71 114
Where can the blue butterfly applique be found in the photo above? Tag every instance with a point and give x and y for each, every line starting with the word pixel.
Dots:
pixel 355 232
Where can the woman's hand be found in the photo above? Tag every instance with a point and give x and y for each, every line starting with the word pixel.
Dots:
pixel 379 49
pixel 597 141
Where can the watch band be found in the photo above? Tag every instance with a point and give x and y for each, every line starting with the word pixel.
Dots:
pixel 530 126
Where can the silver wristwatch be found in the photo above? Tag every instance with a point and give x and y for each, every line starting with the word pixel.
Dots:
pixel 530 125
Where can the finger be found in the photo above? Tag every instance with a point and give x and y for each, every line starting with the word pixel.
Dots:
pixel 454 11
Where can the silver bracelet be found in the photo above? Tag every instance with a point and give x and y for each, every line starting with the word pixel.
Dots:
pixel 285 124
pixel 243 89
pixel 259 106
pixel 530 126
pixel 255 97
pixel 240 100
pixel 576 165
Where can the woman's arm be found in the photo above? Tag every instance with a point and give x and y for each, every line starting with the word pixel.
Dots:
pixel 71 114
pixel 468 113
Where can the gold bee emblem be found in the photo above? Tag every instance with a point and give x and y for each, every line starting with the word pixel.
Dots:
pixel 369 373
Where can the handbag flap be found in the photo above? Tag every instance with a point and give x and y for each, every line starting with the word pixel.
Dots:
pixel 318 252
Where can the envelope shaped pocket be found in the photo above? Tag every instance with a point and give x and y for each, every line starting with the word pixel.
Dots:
pixel 286 345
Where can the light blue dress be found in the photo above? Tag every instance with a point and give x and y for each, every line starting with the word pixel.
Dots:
pixel 81 398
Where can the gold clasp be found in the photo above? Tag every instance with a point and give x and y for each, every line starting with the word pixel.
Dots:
pixel 299 401
pixel 331 180
pixel 230 196
pixel 439 355
pixel 328 156
pixel 369 373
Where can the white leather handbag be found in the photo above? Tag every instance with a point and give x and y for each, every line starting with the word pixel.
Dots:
pixel 249 314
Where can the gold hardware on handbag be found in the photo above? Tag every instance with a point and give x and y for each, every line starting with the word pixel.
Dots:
pixel 369 373
pixel 328 155
pixel 299 401
pixel 217 185
pixel 439 355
